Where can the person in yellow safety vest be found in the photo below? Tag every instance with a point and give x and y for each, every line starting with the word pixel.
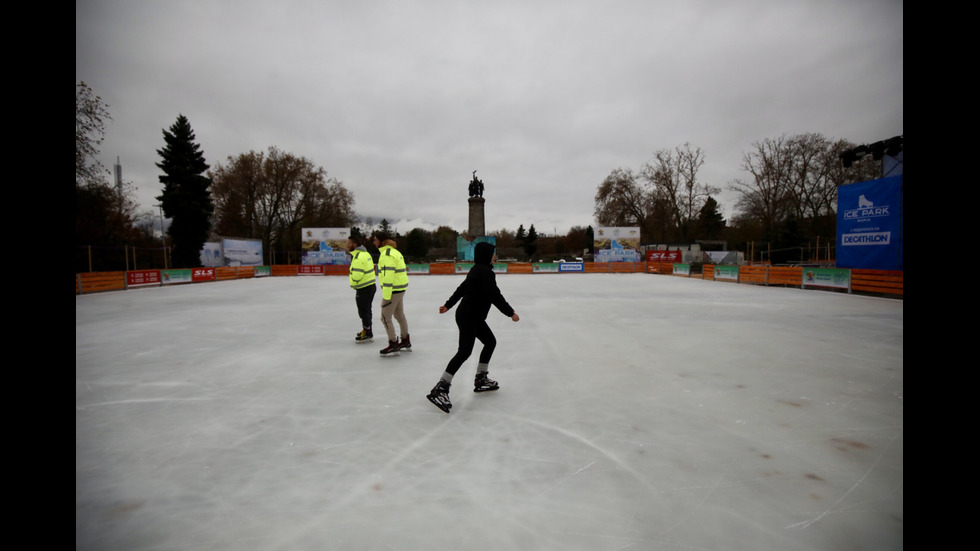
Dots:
pixel 394 281
pixel 362 280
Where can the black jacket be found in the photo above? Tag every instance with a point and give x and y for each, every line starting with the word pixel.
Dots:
pixel 479 290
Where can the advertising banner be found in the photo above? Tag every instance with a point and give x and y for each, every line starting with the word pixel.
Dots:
pixel 309 269
pixel 176 276
pixel 465 247
pixel 870 224
pixel 323 246
pixel 614 244
pixel 241 252
pixel 143 277
pixel 203 274
pixel 545 267
pixel 727 273
pixel 668 257
pixel 827 277
pixel 211 255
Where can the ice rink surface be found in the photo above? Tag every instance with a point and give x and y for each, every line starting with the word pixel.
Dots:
pixel 636 412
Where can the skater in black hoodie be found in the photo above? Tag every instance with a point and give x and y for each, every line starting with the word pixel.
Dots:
pixel 478 291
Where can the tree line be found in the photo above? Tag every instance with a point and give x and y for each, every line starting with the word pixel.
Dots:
pixel 788 199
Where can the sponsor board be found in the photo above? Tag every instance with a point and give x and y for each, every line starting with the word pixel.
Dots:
pixel 870 224
pixel 325 246
pixel 729 273
pixel 143 277
pixel 827 277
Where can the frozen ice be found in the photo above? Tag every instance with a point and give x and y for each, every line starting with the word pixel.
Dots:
pixel 635 412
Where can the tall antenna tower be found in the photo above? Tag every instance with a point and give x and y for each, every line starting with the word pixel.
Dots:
pixel 117 169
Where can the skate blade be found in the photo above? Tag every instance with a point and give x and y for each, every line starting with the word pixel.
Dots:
pixel 364 341
pixel 390 355
pixel 443 407
pixel 485 389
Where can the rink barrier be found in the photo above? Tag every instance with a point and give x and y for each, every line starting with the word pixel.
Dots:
pixel 665 268
pixel 878 282
pixel 95 282
pixel 226 273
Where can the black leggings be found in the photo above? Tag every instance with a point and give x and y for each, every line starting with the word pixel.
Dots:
pixel 469 331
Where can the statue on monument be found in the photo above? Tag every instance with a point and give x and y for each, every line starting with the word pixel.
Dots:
pixel 476 186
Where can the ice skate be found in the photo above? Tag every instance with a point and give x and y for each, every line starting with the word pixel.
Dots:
pixel 405 344
pixel 364 336
pixel 482 383
pixel 440 396
pixel 391 350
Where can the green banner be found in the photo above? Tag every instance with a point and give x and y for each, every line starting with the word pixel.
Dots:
pixel 726 272
pixel 827 277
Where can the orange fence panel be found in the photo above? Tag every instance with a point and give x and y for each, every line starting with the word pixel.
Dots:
pixel 752 274
pixel 878 281
pixel 284 270
pixel 786 275
pixel 520 268
pixel 442 268
pixel 94 282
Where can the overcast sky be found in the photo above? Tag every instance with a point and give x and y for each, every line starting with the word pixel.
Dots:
pixel 403 100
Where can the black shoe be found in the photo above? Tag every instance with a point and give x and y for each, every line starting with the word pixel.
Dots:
pixel 364 336
pixel 391 350
pixel 440 396
pixel 482 383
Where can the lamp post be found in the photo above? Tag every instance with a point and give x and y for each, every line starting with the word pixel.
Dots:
pixel 163 237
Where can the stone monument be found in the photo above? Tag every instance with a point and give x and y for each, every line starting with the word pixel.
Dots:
pixel 477 221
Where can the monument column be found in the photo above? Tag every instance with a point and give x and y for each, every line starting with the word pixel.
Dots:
pixel 478 225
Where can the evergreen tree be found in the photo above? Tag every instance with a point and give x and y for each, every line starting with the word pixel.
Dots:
pixel 530 241
pixel 186 197
pixel 385 227
pixel 417 244
pixel 710 223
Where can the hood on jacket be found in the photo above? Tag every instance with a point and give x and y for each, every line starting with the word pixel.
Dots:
pixel 483 253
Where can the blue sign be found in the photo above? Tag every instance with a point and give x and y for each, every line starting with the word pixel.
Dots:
pixel 870 225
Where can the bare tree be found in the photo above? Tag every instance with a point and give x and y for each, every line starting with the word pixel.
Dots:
pixel 793 190
pixel 620 200
pixel 274 195
pixel 91 114
pixel 674 184
pixel 235 189
pixel 765 198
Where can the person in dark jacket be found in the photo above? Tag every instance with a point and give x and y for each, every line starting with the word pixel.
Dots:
pixel 478 292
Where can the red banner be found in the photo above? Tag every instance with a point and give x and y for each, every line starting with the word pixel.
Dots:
pixel 202 274
pixel 143 277
pixel 311 269
pixel 671 257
